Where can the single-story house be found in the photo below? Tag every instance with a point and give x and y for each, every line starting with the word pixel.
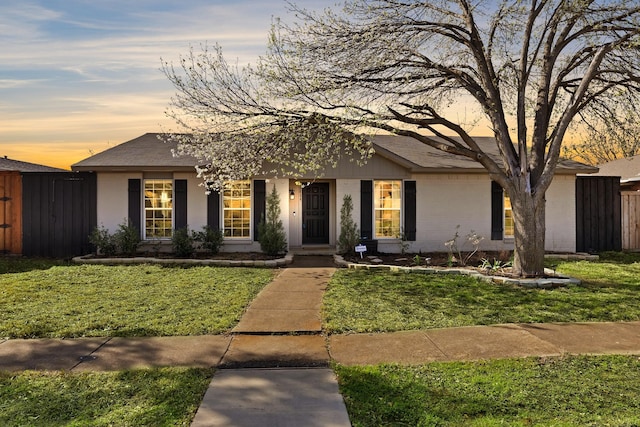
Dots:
pixel 406 188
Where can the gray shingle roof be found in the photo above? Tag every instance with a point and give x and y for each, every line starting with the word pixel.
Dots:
pixel 148 152
pixel 627 169
pixel 7 164
pixel 420 157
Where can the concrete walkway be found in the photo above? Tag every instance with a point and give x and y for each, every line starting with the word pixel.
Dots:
pixel 275 361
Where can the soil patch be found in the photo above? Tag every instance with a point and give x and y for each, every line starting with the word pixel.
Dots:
pixel 434 259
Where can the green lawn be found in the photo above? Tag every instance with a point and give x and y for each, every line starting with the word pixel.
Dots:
pixel 49 300
pixel 572 391
pixel 155 397
pixel 373 301
pixel 43 298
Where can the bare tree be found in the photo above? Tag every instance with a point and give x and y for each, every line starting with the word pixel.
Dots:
pixel 609 132
pixel 394 65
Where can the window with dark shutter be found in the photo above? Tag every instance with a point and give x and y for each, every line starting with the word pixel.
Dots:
pixel 497 211
pixel 213 210
pixel 410 218
pixel 180 203
pixel 135 201
pixel 259 204
pixel 366 209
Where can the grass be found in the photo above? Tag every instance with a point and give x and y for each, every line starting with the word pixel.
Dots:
pixel 47 298
pixel 142 300
pixel 369 301
pixel 156 397
pixel 571 391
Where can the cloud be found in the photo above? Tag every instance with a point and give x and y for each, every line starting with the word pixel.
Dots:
pixel 85 71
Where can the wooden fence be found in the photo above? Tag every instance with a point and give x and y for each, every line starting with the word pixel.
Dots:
pixel 598 214
pixel 59 213
pixel 10 213
pixel 630 220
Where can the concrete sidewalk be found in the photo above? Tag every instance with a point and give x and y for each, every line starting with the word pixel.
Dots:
pixel 280 334
pixel 286 351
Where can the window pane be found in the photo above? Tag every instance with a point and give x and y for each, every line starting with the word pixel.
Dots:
pixel 158 208
pixel 387 208
pixel 508 218
pixel 237 209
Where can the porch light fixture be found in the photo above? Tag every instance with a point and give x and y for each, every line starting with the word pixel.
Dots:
pixel 292 195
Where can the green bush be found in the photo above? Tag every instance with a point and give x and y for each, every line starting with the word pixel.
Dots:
pixel 208 239
pixel 183 243
pixel 104 241
pixel 272 237
pixel 127 238
pixel 349 233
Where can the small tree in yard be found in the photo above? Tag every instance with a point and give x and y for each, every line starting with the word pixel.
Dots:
pixel 349 233
pixel 272 237
pixel 528 67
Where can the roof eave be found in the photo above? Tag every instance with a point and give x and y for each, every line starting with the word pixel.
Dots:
pixel 83 168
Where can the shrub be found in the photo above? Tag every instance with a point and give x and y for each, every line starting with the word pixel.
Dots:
pixel 208 239
pixel 104 241
pixel 127 238
pixel 182 242
pixel 349 233
pixel 272 237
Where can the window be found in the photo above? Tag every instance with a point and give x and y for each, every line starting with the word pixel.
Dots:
pixel 508 218
pixel 387 203
pixel 237 209
pixel 158 208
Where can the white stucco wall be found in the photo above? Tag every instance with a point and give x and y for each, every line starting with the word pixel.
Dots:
pixel 344 187
pixel 113 198
pixel 561 215
pixel 446 201
pixel 443 202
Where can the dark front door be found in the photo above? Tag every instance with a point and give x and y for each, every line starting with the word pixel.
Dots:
pixel 315 213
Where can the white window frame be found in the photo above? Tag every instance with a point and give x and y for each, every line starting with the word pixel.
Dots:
pixel 229 196
pixel 157 205
pixel 379 208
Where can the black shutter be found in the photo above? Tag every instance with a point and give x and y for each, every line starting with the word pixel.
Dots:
pixel 410 210
pixel 497 211
pixel 259 204
pixel 366 209
pixel 135 202
pixel 213 210
pixel 180 203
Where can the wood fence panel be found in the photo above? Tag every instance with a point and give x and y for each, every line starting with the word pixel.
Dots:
pixel 10 213
pixel 598 214
pixel 631 220
pixel 59 213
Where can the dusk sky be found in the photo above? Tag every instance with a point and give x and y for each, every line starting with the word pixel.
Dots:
pixel 80 76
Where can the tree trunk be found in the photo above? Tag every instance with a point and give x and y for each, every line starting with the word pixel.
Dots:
pixel 529 224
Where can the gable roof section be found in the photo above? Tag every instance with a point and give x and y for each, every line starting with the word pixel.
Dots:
pixel 148 152
pixel 7 164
